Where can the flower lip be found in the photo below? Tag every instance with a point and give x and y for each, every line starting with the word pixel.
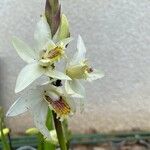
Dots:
pixel 49 57
pixel 60 106
pixel 55 52
pixel 80 71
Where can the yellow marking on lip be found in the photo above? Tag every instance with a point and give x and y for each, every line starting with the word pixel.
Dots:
pixel 55 53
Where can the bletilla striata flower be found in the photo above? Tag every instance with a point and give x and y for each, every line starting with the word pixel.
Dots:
pixel 38 100
pixel 78 69
pixel 40 60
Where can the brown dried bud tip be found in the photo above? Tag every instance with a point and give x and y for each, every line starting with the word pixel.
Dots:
pixel 53 14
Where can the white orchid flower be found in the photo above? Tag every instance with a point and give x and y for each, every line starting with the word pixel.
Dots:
pixel 38 100
pixel 78 69
pixel 40 61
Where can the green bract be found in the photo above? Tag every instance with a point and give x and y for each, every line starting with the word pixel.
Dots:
pixel 63 31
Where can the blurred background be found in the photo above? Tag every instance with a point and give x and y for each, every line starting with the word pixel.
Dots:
pixel 117 37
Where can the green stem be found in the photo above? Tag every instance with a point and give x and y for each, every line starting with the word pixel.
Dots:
pixel 60 133
pixel 49 120
pixel 67 132
pixel 9 139
pixel 40 141
pixel 49 124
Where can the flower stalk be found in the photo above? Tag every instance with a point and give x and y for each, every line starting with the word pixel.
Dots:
pixel 40 142
pixel 60 133
pixel 49 124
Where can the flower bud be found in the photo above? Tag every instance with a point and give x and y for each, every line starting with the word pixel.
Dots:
pixel 32 131
pixel 54 138
pixel 5 132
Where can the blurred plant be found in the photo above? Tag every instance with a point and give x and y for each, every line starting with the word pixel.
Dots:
pixel 52 103
pixel 41 143
pixel 26 148
pixel 4 132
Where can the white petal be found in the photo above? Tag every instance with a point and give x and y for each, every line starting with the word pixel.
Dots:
pixel 81 101
pixel 40 114
pixel 27 75
pixel 72 104
pixel 23 103
pixel 49 45
pixel 96 74
pixel 68 88
pixel 57 75
pixel 64 42
pixel 42 32
pixel 75 88
pixel 23 50
pixel 81 47
pixel 80 54
pixel 79 88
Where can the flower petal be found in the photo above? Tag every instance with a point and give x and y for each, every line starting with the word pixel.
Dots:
pixel 23 103
pixel 23 50
pixel 42 32
pixel 80 54
pixel 64 42
pixel 49 45
pixel 96 74
pixel 57 74
pixel 75 88
pixel 27 75
pixel 39 112
pixel 72 104
pixel 79 93
pixel 81 47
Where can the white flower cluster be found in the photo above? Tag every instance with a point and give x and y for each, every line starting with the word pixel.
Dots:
pixel 41 62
